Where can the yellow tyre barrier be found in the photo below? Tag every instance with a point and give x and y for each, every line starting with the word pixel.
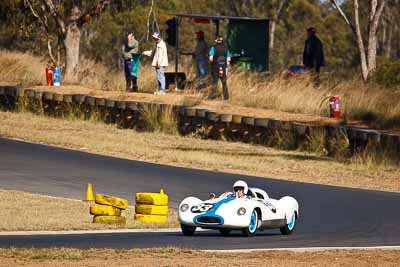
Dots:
pixel 109 219
pixel 104 210
pixel 158 199
pixel 150 218
pixel 151 209
pixel 111 201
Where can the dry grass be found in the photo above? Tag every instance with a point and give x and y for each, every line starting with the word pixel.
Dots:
pixel 375 106
pixel 195 153
pixel 184 257
pixel 26 211
pixel 28 70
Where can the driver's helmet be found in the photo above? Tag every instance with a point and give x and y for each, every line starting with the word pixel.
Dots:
pixel 240 185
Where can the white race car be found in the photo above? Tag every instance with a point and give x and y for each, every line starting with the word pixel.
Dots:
pixel 251 211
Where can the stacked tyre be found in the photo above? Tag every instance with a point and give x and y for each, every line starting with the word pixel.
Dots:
pixel 151 207
pixel 108 209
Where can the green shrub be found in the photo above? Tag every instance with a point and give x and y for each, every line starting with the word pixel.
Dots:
pixel 388 74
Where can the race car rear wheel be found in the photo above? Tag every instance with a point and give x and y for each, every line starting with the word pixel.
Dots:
pixel 252 228
pixel 188 230
pixel 225 232
pixel 288 228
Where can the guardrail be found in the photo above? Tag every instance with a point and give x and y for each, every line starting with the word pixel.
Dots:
pixel 204 123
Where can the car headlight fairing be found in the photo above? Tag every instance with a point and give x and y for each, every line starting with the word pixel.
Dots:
pixel 184 207
pixel 241 211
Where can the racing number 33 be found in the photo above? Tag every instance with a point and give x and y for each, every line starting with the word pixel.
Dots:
pixel 203 207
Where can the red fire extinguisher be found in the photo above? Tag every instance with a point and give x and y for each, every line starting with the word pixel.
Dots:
pixel 334 106
pixel 49 75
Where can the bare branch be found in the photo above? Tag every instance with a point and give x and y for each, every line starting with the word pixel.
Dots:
pixel 51 52
pixel 336 4
pixel 377 15
pixel 148 20
pixel 31 8
pixel 279 9
pixel 43 21
pixel 56 15
pixel 88 15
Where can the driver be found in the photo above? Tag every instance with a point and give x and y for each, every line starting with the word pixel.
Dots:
pixel 240 188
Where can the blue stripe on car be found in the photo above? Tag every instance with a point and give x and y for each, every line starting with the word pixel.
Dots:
pixel 211 212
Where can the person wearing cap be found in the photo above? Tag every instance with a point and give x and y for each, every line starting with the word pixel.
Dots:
pixel 313 55
pixel 130 47
pixel 200 54
pixel 219 57
pixel 160 61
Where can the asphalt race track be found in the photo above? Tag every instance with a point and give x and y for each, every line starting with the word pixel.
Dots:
pixel 329 216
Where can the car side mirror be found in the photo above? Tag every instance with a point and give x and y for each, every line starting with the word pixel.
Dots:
pixel 212 195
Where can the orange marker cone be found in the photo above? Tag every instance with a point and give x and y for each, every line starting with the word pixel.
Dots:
pixel 89 192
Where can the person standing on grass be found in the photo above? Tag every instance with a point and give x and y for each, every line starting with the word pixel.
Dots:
pixel 160 61
pixel 313 55
pixel 219 57
pixel 129 49
pixel 200 54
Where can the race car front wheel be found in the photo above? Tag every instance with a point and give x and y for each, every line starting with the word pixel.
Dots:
pixel 288 228
pixel 252 228
pixel 188 230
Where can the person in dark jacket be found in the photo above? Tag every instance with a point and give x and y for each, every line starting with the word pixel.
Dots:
pixel 200 54
pixel 313 56
pixel 129 49
pixel 219 57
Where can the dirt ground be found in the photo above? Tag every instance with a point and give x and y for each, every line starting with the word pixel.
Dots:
pixel 178 257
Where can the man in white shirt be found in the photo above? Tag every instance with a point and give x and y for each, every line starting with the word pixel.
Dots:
pixel 160 61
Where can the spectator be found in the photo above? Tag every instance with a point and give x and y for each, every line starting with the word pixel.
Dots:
pixel 313 56
pixel 220 58
pixel 130 47
pixel 160 61
pixel 200 55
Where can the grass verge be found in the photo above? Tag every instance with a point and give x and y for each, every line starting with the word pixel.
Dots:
pixel 33 212
pixel 196 153
pixel 184 257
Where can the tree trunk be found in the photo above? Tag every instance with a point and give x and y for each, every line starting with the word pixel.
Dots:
pixel 360 43
pixel 272 34
pixel 372 51
pixel 372 36
pixel 388 44
pixel 72 42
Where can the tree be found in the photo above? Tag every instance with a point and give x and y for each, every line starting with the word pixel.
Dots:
pixel 274 22
pixel 69 18
pixel 250 8
pixel 368 56
pixel 390 27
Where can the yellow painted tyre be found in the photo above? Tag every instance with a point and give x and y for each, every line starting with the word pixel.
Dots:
pixel 151 209
pixel 104 210
pixel 111 201
pixel 158 199
pixel 109 219
pixel 150 218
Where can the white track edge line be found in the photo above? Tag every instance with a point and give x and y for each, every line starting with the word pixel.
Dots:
pixel 105 231
pixel 303 249
pixel 78 232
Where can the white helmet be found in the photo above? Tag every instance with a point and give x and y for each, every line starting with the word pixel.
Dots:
pixel 242 184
